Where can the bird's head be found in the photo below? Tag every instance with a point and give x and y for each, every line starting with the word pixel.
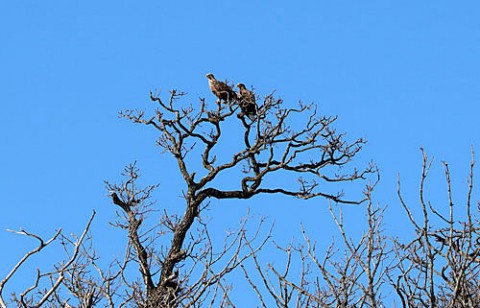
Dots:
pixel 210 76
pixel 240 86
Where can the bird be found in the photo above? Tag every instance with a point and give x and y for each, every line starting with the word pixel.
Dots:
pixel 247 102
pixel 221 90
pixel 116 200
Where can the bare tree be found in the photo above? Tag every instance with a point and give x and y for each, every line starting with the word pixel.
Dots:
pixel 41 293
pixel 313 278
pixel 179 264
pixel 267 145
pixel 440 267
pixel 171 260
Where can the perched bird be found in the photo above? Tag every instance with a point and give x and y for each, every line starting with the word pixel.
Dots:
pixel 116 200
pixel 220 89
pixel 247 102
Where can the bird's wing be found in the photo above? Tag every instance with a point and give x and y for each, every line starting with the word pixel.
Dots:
pixel 222 86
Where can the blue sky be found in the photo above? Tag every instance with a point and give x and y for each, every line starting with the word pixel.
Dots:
pixel 401 74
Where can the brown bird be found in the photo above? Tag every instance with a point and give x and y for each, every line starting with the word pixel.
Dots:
pixel 220 89
pixel 116 200
pixel 247 101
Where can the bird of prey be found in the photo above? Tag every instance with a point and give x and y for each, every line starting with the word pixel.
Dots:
pixel 247 102
pixel 220 89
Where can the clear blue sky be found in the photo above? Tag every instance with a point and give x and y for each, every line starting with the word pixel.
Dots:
pixel 402 74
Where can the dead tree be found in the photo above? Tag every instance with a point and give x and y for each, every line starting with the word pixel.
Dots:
pixel 312 277
pixel 171 260
pixel 46 285
pixel 314 153
pixel 440 267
